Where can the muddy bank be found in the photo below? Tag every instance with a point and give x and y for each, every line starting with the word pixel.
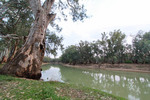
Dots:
pixel 143 68
pixel 45 63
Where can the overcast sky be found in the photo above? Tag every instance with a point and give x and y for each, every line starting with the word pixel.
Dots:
pixel 129 16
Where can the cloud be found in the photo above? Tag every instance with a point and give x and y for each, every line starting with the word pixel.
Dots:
pixel 129 16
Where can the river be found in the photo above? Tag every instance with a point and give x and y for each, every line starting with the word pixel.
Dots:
pixel 130 85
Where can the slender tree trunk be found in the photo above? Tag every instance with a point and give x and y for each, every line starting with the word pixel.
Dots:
pixel 28 60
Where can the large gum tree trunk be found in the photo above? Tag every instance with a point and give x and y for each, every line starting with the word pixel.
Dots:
pixel 28 60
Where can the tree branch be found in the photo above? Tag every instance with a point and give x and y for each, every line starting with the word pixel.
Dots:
pixel 47 5
pixel 70 5
pixel 50 17
pixel 35 6
pixel 13 36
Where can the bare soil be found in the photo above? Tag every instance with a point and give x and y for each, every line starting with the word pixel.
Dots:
pixel 144 68
pixel 44 63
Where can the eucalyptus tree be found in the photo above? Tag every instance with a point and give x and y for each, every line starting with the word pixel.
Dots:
pixel 17 18
pixel 116 46
pixel 15 22
pixel 96 51
pixel 71 55
pixel 82 53
pixel 128 54
pixel 146 47
pixel 86 52
pixel 103 48
pixel 27 61
pixel 136 47
pixel 141 47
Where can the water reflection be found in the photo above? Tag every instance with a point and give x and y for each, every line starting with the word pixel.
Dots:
pixel 133 86
pixel 52 74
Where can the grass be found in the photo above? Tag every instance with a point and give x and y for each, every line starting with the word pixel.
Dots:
pixel 22 89
pixel 12 88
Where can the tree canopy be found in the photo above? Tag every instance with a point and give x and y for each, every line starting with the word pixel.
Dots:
pixel 111 49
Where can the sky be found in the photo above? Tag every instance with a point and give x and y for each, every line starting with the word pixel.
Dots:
pixel 129 16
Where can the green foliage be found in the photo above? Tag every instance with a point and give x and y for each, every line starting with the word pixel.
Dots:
pixel 53 43
pixel 15 19
pixel 128 62
pixel 115 46
pixel 46 59
pixel 81 54
pixel 141 47
pixel 76 10
pixel 71 55
pixel 87 55
pixel 110 49
pixel 55 61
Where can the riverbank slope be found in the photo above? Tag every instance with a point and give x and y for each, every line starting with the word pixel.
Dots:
pixel 16 88
pixel 143 68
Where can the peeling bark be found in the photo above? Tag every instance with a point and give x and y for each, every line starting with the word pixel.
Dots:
pixel 13 51
pixel 4 59
pixel 28 60
pixel 5 56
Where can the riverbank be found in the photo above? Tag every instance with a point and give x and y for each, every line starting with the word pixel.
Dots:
pixel 143 68
pixel 45 63
pixel 17 88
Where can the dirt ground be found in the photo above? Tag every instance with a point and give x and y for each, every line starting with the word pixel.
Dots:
pixel 144 68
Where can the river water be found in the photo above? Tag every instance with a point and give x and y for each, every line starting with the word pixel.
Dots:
pixel 130 85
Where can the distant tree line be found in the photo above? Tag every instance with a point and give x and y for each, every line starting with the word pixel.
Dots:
pixel 111 48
